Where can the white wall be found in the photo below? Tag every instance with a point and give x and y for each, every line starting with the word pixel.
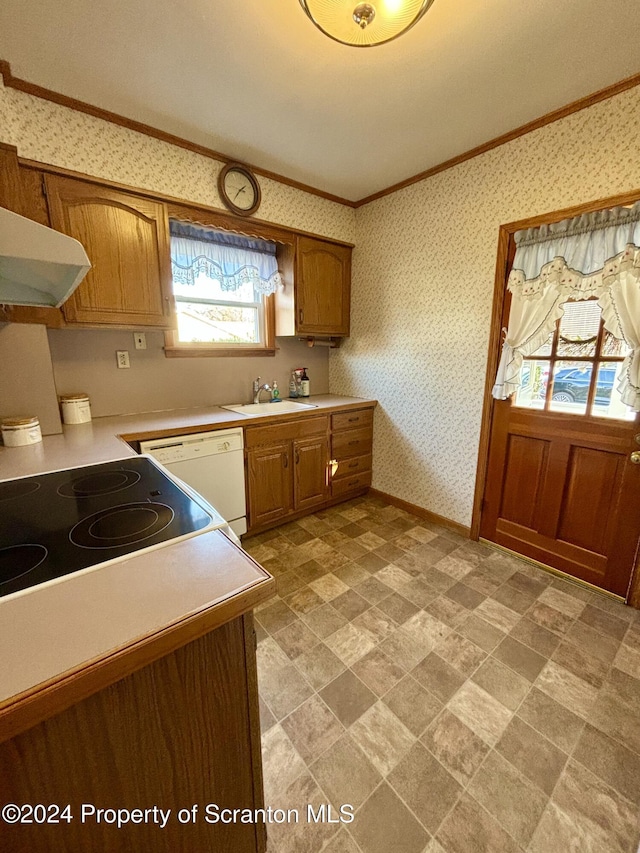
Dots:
pixel 424 268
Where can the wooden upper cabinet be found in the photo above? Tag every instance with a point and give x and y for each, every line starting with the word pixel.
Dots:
pixel 127 240
pixel 322 287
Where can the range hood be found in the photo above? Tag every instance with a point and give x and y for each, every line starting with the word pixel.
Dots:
pixel 38 266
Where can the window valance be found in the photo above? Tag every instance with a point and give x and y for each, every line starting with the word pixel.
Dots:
pixel 593 255
pixel 231 259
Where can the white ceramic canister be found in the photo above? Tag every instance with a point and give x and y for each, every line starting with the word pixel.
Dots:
pixel 18 432
pixel 76 409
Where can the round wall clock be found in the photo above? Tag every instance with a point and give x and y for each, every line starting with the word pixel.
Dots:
pixel 239 189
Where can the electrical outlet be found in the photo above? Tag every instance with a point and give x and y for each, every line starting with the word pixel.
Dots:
pixel 140 340
pixel 122 356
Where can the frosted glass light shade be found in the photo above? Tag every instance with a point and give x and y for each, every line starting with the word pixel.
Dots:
pixel 391 18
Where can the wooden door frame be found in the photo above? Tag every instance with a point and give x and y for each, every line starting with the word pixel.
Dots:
pixel 506 245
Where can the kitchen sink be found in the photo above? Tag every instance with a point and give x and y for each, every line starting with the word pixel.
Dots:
pixel 258 410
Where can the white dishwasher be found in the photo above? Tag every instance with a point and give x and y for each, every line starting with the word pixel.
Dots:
pixel 212 463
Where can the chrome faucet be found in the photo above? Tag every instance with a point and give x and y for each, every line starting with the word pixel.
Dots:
pixel 257 388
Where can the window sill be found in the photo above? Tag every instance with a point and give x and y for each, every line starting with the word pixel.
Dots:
pixel 187 351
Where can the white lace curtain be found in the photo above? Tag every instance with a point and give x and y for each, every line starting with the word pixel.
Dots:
pixel 596 254
pixel 231 259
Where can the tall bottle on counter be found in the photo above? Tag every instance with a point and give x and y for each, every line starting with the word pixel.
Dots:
pixel 304 383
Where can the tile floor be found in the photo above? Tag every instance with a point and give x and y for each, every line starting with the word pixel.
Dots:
pixel 460 699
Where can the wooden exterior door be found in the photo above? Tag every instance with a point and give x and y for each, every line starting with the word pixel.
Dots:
pixel 561 484
pixel 310 472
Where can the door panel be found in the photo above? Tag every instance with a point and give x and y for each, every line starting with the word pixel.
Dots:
pixel 526 463
pixel 310 472
pixel 269 483
pixel 561 489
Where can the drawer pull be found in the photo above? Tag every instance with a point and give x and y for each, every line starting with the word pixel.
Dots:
pixel 354 420
pixel 354 482
pixel 355 441
pixel 354 465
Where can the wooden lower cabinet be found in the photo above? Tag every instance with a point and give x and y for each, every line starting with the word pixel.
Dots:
pixel 286 469
pixel 178 733
pixel 288 465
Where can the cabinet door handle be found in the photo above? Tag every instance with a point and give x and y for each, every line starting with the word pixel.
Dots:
pixel 301 315
pixel 286 460
pixel 297 457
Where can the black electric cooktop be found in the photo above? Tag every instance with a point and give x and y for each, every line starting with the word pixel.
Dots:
pixel 58 523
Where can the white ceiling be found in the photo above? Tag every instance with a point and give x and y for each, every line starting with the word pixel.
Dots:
pixel 255 80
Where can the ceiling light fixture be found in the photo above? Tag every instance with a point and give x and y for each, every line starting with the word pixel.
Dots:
pixel 365 24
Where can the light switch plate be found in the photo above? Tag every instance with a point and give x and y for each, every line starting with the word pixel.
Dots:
pixel 140 340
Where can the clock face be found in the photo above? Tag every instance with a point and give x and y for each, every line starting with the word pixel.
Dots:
pixel 240 190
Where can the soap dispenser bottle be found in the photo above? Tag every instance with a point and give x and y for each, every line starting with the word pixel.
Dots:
pixel 275 392
pixel 304 383
pixel 293 386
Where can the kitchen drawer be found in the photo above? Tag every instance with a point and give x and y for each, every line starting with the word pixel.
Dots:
pixel 344 485
pixel 304 427
pixel 351 467
pixel 351 420
pixel 351 442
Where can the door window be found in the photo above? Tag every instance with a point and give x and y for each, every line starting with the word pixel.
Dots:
pixel 576 370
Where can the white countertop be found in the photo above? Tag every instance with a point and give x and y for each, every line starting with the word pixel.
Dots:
pixel 55 628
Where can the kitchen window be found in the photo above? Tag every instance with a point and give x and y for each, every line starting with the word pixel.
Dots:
pixel 223 286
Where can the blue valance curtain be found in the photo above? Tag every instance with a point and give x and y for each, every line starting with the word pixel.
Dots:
pixel 231 259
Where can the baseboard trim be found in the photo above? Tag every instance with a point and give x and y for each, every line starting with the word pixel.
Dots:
pixel 421 512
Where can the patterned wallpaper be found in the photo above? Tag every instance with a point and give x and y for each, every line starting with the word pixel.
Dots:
pixel 424 267
pixel 58 135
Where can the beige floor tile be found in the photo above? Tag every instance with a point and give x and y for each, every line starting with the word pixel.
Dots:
pixel 520 658
pixel 481 712
pixel 497 614
pixel 371 562
pixel 276 616
pixel 438 677
pixel 384 824
pixel 460 653
pixel 418 592
pixel 414 706
pixel 350 604
pixel 341 843
pixel 312 728
pixel 455 746
pixel 616 709
pixel 348 697
pixel 532 754
pixel 351 573
pixel 482 633
pixel 350 643
pixel 559 831
pixel 305 836
pixel 324 620
pixel 382 737
pixel 628 660
pixel 425 786
pixel 502 683
pixel 296 639
pixel 568 689
pixel 303 600
pixel 281 765
pixel 373 590
pixel 603 622
pixel 284 691
pixel 345 774
pixel 329 587
pixel 447 611
pixel 567 604
pixel 512 800
pixel 596 806
pixel 514 599
pixel 465 595
pixel 578 661
pixel 536 637
pixel 398 608
pixel 319 666
pixel 550 618
pixel 378 671
pixel 598 645
pixel 560 725
pixel 455 566
pixel 612 762
pixel 471 829
pixel 377 623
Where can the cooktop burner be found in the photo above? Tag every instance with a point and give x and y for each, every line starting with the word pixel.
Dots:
pixel 58 523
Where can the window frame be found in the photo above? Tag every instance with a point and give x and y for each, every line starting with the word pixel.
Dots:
pixel 174 348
